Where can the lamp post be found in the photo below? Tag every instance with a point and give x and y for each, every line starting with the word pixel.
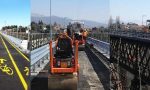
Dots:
pixel 143 18
pixel 50 21
pixel 65 22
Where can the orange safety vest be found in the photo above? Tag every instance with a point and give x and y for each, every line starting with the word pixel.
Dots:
pixel 85 33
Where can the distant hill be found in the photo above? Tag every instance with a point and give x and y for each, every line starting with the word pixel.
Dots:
pixel 63 20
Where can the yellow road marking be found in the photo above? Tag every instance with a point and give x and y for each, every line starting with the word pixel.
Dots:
pixel 27 71
pixel 2 61
pixel 17 49
pixel 6 69
pixel 16 67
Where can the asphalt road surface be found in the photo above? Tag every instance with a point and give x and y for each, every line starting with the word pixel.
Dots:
pixel 14 67
pixel 88 79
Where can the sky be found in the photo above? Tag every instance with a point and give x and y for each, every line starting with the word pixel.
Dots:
pixel 130 10
pixel 96 10
pixel 15 12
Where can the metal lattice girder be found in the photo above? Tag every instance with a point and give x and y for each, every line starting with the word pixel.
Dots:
pixel 131 53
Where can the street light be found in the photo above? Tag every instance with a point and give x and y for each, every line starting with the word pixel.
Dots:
pixel 142 18
pixel 50 22
pixel 65 21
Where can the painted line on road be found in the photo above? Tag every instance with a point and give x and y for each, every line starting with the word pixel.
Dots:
pixel 17 49
pixel 15 66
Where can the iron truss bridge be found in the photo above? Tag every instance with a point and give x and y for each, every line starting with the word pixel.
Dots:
pixel 133 55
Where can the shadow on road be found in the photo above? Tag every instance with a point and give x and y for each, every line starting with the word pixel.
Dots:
pixel 100 69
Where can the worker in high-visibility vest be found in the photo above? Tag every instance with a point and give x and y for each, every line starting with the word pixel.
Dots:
pixel 84 33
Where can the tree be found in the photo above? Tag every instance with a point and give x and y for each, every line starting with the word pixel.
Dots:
pixel 55 24
pixel 110 23
pixel 40 26
pixel 118 22
pixel 48 27
pixel 34 26
pixel 40 22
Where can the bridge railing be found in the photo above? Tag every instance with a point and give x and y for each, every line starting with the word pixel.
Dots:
pixel 39 39
pixel 39 46
pixel 104 35
pixel 19 35
pixel 131 33
pixel 100 35
pixel 101 46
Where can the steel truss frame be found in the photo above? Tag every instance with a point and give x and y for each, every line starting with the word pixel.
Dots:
pixel 131 53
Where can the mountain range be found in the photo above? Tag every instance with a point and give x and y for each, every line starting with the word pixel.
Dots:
pixel 63 20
